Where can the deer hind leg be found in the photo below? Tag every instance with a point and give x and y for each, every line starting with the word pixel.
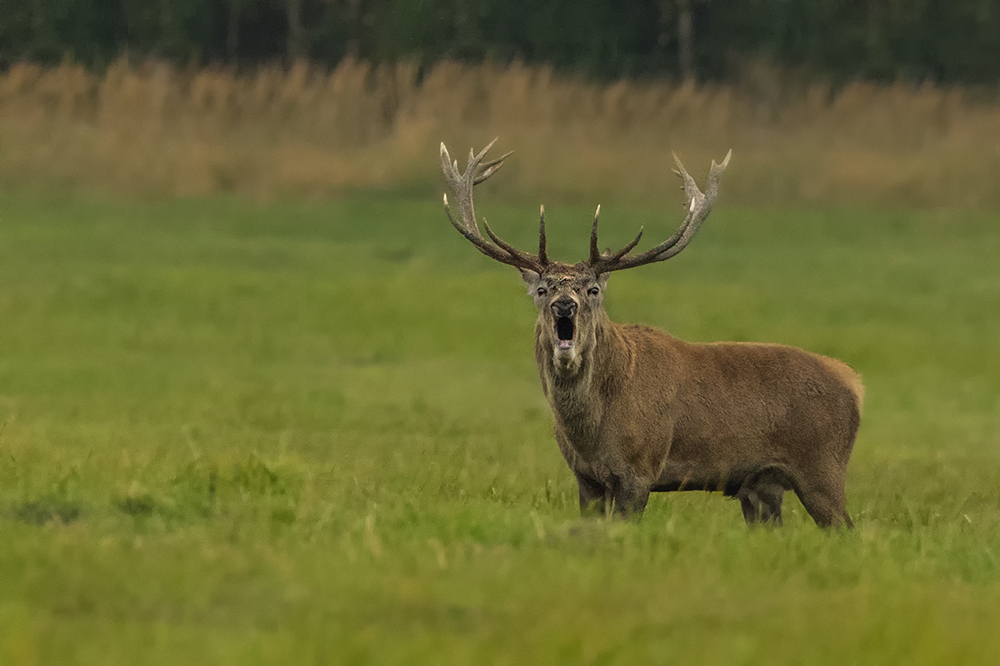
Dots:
pixel 595 499
pixel 762 504
pixel 826 503
pixel 630 497
pixel 762 494
pixel 750 504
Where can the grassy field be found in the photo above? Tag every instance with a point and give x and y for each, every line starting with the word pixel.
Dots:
pixel 243 433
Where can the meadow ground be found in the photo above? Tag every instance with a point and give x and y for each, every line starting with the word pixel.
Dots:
pixel 239 433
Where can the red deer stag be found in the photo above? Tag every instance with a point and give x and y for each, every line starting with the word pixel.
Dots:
pixel 637 410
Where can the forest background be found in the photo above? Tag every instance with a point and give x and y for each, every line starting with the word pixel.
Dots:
pixel 841 102
pixel 941 41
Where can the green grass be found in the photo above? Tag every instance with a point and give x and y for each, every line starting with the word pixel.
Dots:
pixel 238 433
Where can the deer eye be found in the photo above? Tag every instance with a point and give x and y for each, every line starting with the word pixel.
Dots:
pixel 594 291
pixel 542 291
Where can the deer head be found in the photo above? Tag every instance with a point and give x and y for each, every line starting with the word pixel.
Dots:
pixel 570 297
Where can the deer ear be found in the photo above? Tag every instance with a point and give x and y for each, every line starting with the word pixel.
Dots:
pixel 531 278
pixel 602 280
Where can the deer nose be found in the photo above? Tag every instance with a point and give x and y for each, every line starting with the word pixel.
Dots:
pixel 564 307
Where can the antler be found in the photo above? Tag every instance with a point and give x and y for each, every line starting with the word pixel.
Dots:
pixel 698 207
pixel 461 185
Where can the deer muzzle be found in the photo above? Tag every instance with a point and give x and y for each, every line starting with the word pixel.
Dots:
pixel 564 311
pixel 564 307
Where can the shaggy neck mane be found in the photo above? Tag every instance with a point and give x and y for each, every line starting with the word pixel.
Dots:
pixel 578 395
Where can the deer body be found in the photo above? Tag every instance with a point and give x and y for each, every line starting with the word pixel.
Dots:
pixel 645 412
pixel 637 410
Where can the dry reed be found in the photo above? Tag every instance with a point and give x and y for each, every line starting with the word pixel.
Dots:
pixel 152 129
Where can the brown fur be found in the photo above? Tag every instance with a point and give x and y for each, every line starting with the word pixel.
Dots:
pixel 637 410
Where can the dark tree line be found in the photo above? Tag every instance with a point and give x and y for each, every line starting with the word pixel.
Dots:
pixel 915 40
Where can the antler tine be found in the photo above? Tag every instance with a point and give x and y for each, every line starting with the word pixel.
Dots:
pixel 596 257
pixel 506 247
pixel 488 169
pixel 698 205
pixel 461 185
pixel 628 248
pixel 595 253
pixel 543 256
pixel 690 187
pixel 489 250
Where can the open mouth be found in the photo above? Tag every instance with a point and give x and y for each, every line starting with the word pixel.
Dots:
pixel 565 328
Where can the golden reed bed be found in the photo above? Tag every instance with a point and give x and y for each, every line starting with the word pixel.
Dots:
pixel 152 129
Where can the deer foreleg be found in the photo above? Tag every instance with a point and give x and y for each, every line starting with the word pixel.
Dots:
pixel 594 497
pixel 630 497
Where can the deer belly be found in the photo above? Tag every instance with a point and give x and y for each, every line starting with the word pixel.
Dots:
pixel 682 476
pixel 706 473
